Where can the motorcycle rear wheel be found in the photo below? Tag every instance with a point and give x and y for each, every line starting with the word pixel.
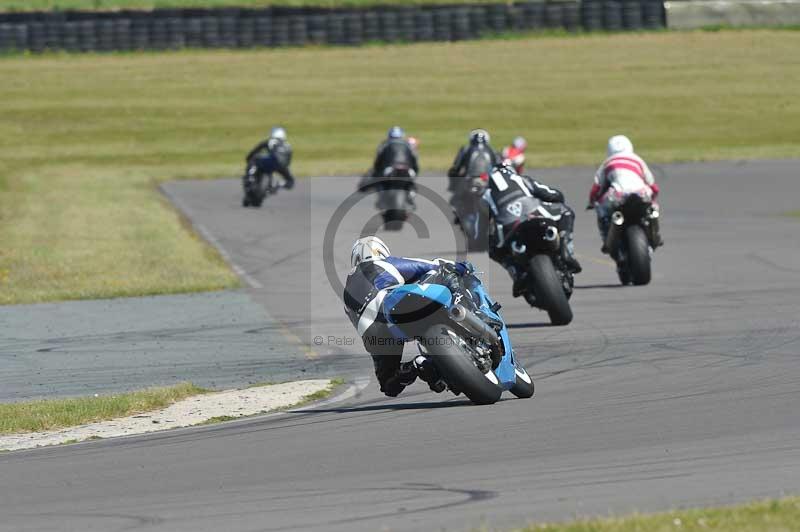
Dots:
pixel 393 219
pixel 638 255
pixel 546 286
pixel 454 363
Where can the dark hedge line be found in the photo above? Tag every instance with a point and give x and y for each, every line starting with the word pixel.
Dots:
pixel 84 31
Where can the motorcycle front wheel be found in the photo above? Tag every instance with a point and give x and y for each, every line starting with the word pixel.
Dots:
pixel 523 387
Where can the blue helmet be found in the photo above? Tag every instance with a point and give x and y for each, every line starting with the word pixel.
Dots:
pixel 396 132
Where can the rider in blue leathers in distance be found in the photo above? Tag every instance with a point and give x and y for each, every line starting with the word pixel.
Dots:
pixel 375 272
pixel 277 159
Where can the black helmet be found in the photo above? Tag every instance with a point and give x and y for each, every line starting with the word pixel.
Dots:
pixel 478 136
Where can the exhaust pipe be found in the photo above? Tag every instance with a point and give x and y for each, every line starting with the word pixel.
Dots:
pixel 473 324
pixel 551 233
pixel 614 231
pixel 655 238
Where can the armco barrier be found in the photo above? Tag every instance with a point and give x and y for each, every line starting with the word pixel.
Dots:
pixel 79 31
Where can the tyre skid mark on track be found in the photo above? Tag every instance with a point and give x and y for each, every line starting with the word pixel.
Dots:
pixel 469 497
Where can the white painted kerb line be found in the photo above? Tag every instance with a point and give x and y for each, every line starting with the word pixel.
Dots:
pixel 211 239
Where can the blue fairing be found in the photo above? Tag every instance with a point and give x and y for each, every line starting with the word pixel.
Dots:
pixel 440 294
pixel 435 292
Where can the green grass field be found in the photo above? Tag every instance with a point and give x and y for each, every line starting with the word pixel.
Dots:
pixel 84 138
pixel 781 515
pixel 40 5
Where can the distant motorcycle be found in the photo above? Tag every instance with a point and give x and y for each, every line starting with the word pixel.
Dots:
pixel 470 213
pixel 461 333
pixel 534 243
pixel 395 195
pixel 257 187
pixel 468 209
pixel 633 226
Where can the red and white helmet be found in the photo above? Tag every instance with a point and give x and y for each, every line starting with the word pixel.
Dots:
pixel 368 248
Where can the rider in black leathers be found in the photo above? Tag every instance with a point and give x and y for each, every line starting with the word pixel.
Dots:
pixel 477 157
pixel 506 186
pixel 393 152
pixel 277 158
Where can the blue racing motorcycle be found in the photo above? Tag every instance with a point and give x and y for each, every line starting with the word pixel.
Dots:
pixel 458 328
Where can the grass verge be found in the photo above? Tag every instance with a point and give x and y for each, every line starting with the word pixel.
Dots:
pixel 792 214
pixel 47 5
pixel 85 138
pixel 37 416
pixel 780 515
pixel 319 395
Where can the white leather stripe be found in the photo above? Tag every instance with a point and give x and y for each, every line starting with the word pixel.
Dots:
pixel 370 313
pixel 542 185
pixel 426 261
pixel 487 197
pixel 499 181
pixel 391 270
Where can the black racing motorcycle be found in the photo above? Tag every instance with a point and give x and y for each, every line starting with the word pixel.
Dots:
pixel 632 230
pixel 257 187
pixel 470 213
pixel 534 244
pixel 396 192
pixel 468 209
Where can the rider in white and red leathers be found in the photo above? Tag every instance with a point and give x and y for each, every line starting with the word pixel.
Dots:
pixel 621 174
pixel 514 155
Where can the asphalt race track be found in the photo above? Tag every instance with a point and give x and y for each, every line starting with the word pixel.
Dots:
pixel 684 392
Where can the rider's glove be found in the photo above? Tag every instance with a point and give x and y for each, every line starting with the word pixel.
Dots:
pixel 463 268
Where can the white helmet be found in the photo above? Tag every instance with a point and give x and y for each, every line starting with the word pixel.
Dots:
pixel 278 133
pixel 619 144
pixel 520 143
pixel 368 248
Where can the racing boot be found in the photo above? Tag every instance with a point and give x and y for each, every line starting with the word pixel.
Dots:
pixel 655 233
pixel 568 254
pixel 602 225
pixel 405 376
pixel 518 277
pixel 427 372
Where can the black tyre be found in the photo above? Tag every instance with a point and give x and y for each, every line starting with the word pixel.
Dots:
pixel 638 255
pixel 393 219
pixel 624 275
pixel 449 353
pixel 523 387
pixel 546 286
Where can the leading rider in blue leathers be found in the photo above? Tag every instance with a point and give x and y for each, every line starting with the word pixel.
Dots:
pixel 375 272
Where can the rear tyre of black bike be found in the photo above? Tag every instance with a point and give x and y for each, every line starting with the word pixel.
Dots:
pixel 638 255
pixel 393 219
pixel 546 286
